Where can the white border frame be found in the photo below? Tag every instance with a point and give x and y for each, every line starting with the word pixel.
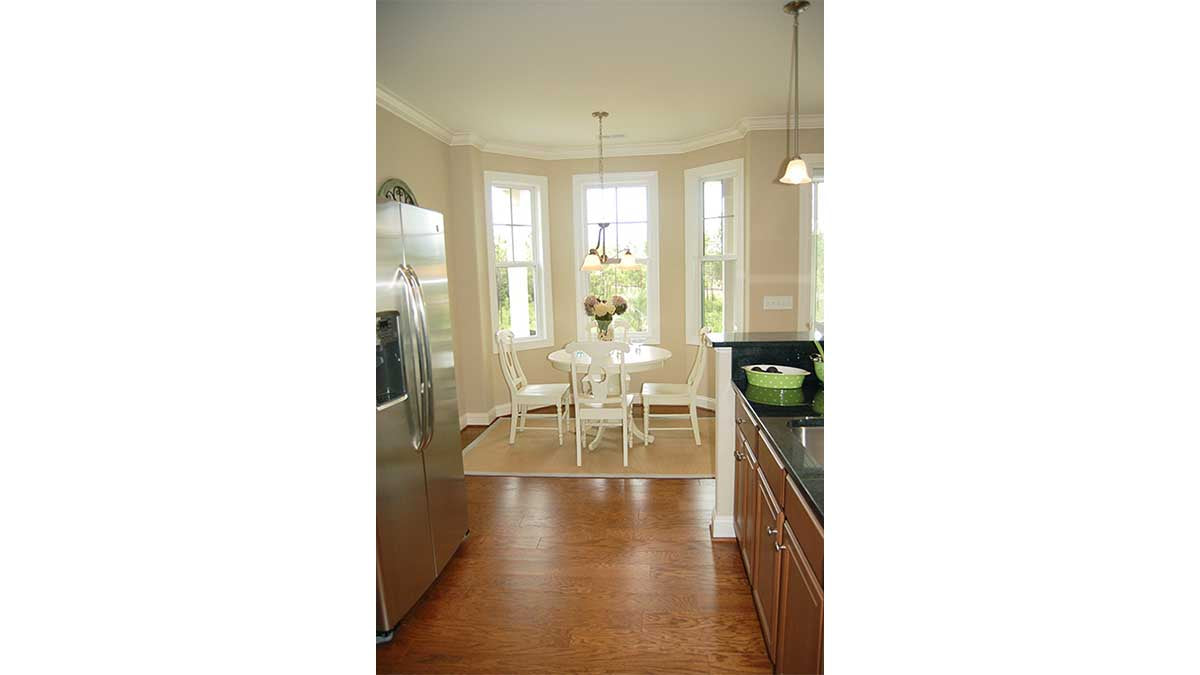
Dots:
pixel 649 179
pixel 693 226
pixel 541 246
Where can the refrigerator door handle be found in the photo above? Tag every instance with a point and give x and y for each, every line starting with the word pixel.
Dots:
pixel 426 359
pixel 411 293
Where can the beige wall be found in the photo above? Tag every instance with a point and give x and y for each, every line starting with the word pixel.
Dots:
pixel 775 237
pixel 451 180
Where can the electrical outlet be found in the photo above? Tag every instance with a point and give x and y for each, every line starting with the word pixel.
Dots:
pixel 777 302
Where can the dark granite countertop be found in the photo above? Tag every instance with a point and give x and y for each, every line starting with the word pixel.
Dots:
pixel 797 433
pixel 762 338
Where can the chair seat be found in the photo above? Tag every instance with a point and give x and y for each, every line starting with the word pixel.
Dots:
pixel 656 389
pixel 610 403
pixel 551 392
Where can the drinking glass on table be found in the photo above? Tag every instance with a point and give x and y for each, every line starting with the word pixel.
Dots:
pixel 637 341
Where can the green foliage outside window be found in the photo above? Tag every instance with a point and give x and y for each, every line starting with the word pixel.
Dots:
pixel 631 284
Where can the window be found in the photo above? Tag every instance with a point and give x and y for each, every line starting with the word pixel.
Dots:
pixel 713 245
pixel 519 264
pixel 629 202
pixel 818 265
pixel 815 244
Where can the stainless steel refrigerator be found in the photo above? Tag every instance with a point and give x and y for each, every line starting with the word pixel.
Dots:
pixel 420 494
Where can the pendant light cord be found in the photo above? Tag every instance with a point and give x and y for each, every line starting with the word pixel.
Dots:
pixel 794 89
pixel 601 117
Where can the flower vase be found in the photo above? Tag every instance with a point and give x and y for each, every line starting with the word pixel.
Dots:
pixel 603 329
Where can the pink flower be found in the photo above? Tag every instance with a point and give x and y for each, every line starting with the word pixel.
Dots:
pixel 619 304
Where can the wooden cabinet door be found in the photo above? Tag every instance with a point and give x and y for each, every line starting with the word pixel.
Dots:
pixel 750 512
pixel 801 613
pixel 766 563
pixel 741 502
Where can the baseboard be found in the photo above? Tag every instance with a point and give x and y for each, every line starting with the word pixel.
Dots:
pixel 482 419
pixel 722 527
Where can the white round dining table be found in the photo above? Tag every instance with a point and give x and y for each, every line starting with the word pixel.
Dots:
pixel 639 358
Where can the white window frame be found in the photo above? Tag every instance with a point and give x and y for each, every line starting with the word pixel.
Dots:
pixel 541 252
pixel 808 249
pixel 649 180
pixel 693 211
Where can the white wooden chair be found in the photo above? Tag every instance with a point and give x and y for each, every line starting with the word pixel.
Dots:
pixel 676 394
pixel 523 395
pixel 600 396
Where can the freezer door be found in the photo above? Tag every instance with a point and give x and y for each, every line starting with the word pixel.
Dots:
pixel 425 253
pixel 404 549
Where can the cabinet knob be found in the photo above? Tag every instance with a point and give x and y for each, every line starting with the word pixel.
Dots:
pixel 737 454
pixel 780 548
pixel 741 420
pixel 772 531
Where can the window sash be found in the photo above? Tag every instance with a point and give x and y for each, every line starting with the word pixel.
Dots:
pixel 538 263
pixel 731 218
pixel 648 180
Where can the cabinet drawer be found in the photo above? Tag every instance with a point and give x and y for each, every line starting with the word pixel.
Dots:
pixel 743 420
pixel 748 446
pixel 809 532
pixel 772 468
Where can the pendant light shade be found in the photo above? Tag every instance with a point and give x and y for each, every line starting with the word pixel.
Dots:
pixel 592 263
pixel 628 262
pixel 796 173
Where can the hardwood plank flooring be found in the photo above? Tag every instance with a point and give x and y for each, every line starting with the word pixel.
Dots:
pixel 566 575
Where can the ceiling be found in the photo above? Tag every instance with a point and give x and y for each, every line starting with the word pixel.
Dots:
pixel 531 73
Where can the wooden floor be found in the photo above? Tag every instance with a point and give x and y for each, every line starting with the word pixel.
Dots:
pixel 584 575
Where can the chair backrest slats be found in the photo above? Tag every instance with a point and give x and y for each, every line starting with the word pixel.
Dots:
pixel 592 382
pixel 697 370
pixel 510 365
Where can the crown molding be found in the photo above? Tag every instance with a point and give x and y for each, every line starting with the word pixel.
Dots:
pixel 392 103
pixel 389 101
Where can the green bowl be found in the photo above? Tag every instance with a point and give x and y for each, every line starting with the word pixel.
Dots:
pixel 819 370
pixel 769 396
pixel 788 377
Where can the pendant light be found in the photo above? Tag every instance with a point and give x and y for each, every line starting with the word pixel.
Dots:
pixel 597 257
pixel 796 171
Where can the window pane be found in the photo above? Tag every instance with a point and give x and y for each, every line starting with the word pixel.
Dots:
pixel 500 206
pixel 713 277
pixel 714 236
pixel 630 284
pixel 712 199
pixel 515 298
pixel 504 246
pixel 592 232
pixel 631 204
pixel 633 236
pixel 601 205
pixel 522 242
pixel 522 207
pixel 727 196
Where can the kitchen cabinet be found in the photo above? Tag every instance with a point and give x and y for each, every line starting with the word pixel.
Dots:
pixel 765 580
pixel 801 610
pixel 741 492
pixel 782 542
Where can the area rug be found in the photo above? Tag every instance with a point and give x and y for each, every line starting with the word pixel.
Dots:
pixel 673 454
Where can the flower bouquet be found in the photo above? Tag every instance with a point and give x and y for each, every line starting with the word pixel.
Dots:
pixel 603 312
